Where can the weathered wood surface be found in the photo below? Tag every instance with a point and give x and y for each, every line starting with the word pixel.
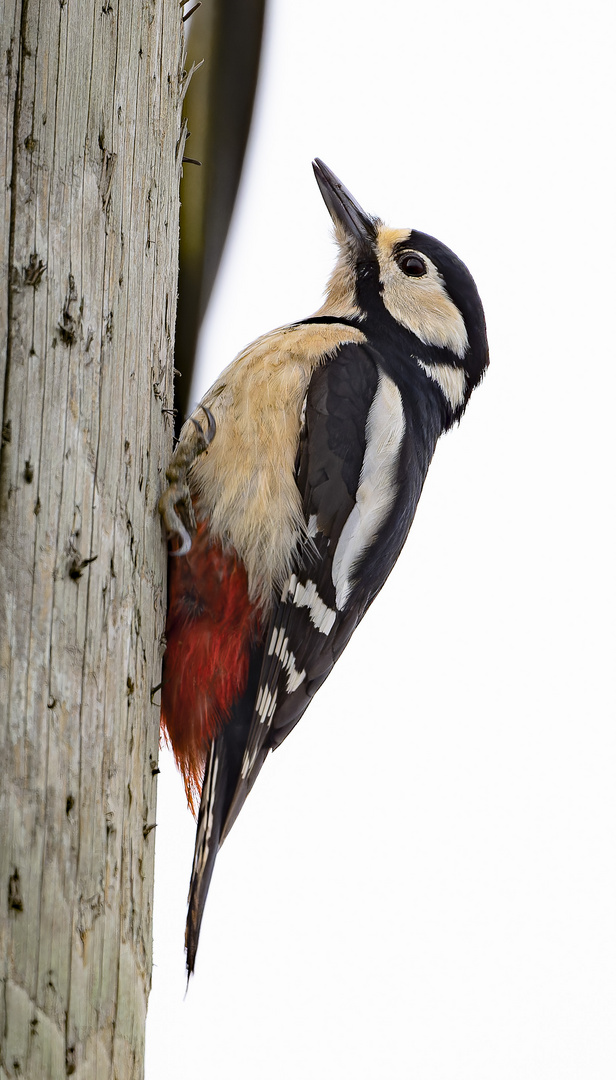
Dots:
pixel 90 159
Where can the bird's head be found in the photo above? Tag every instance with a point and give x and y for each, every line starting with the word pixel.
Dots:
pixel 406 286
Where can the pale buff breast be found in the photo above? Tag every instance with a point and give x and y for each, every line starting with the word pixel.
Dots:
pixel 245 484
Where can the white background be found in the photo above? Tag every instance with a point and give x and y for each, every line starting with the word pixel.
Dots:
pixel 423 882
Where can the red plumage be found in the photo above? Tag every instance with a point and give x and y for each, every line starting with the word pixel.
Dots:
pixel 210 626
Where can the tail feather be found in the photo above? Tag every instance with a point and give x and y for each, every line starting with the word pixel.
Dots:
pixel 221 776
pixel 209 827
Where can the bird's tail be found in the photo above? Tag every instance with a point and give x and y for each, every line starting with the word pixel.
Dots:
pixel 222 775
pixel 207 842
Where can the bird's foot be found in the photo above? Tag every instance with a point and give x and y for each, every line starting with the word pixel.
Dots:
pixel 175 504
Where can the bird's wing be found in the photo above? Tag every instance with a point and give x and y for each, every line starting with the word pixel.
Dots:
pixel 360 470
pixel 306 630
pixel 348 470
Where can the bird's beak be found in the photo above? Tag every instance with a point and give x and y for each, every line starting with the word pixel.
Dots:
pixel 347 215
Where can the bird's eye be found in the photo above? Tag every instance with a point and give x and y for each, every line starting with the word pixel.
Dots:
pixel 412 265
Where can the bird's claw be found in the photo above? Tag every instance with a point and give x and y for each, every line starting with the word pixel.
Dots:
pixel 175 504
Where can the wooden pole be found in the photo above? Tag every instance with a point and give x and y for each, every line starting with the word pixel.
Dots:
pixel 91 147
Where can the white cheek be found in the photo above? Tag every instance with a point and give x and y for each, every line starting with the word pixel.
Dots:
pixel 423 306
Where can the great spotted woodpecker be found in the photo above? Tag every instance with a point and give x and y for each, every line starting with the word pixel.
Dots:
pixel 292 490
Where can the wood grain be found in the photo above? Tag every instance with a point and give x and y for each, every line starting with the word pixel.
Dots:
pixel 90 150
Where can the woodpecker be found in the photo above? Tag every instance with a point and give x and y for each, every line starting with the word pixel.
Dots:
pixel 291 492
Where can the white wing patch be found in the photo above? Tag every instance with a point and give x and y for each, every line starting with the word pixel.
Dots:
pixel 295 678
pixel 279 646
pixel 385 427
pixel 248 762
pixel 322 617
pixel 452 381
pixel 266 703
